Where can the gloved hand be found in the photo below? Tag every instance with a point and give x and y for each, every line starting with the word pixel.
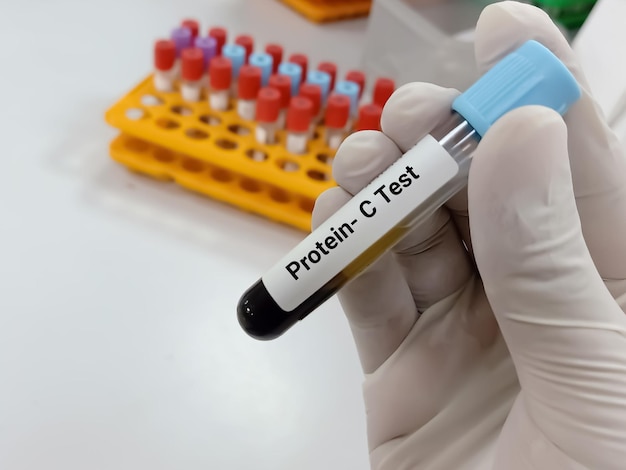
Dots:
pixel 519 360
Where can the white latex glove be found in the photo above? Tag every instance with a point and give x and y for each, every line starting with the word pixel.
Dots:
pixel 529 371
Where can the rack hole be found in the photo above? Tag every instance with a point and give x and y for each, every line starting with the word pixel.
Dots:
pixel 288 165
pixel 238 129
pixel 182 110
pixel 226 144
pixel 151 100
pixel 196 134
pixel 250 185
pixel 163 155
pixel 210 119
pixel 318 175
pixel 222 175
pixel 256 155
pixel 324 158
pixel 166 123
pixel 136 145
pixel 193 166
pixel 135 114
pixel 279 195
pixel 307 205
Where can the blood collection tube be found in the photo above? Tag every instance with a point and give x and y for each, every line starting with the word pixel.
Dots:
pixel 182 38
pixel 303 61
pixel 357 77
pixel 313 93
pixel 276 51
pixel 248 89
pixel 220 77
pixel 369 117
pixel 299 117
pixel 331 69
pixel 403 196
pixel 351 90
pixel 208 46
pixel 294 72
pixel 322 79
pixel 164 65
pixel 192 70
pixel 193 26
pixel 336 119
pixel 220 35
pixel 263 61
pixel 247 42
pixel 383 89
pixel 283 84
pixel 237 56
pixel 267 111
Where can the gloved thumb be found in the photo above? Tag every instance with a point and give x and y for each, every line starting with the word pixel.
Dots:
pixel 565 332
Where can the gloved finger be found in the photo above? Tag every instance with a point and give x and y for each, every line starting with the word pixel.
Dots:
pixel 457 206
pixel 378 304
pixel 414 110
pixel 565 332
pixel 408 116
pixel 597 160
pixel 432 256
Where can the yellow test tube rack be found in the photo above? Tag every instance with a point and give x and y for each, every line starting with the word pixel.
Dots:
pixel 216 154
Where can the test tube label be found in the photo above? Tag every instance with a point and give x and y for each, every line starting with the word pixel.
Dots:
pixel 382 205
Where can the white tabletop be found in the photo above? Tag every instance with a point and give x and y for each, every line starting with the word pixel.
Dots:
pixel 119 344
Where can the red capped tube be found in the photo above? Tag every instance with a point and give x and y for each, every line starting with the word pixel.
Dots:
pixel 383 89
pixel 303 61
pixel 192 70
pixel 220 35
pixel 314 93
pixel 267 114
pixel 164 65
pixel 249 84
pixel 193 64
pixel 369 117
pixel 220 77
pixel 357 77
pixel 331 69
pixel 299 117
pixel 283 84
pixel 276 51
pixel 193 26
pixel 336 119
pixel 247 42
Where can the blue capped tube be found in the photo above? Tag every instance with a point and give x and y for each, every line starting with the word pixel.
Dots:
pixel 351 90
pixel 237 56
pixel 404 195
pixel 294 72
pixel 321 78
pixel 263 61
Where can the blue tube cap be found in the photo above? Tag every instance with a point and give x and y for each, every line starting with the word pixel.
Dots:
pixel 237 56
pixel 264 62
pixel 318 77
pixel 294 72
pixel 531 75
pixel 351 90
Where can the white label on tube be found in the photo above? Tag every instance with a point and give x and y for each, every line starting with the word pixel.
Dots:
pixel 246 109
pixel 261 134
pixel 296 142
pixel 163 81
pixel 356 226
